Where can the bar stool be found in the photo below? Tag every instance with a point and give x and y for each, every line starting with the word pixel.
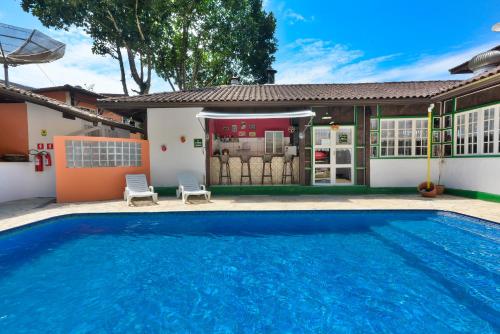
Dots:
pixel 224 162
pixel 245 161
pixel 287 166
pixel 266 160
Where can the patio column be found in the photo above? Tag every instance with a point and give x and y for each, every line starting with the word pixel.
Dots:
pixel 302 152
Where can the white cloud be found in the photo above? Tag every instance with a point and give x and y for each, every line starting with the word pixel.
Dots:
pixel 426 67
pixel 79 66
pixel 318 61
pixel 293 17
pixel 313 61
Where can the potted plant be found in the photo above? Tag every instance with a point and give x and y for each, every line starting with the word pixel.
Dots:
pixel 425 191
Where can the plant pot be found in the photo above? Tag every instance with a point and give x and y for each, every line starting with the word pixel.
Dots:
pixel 431 192
pixel 439 189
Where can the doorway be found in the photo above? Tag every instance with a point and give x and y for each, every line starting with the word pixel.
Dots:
pixel 333 155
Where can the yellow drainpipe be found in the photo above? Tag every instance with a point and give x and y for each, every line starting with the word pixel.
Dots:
pixel 429 128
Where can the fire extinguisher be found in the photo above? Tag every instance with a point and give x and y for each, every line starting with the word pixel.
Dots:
pixel 38 162
pixel 47 158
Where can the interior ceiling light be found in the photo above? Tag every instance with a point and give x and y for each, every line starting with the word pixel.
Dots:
pixel 326 117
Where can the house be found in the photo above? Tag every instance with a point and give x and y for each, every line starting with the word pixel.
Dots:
pixel 363 137
pixel 87 99
pixel 28 124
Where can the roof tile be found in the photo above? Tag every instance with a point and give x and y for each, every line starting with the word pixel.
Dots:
pixel 300 92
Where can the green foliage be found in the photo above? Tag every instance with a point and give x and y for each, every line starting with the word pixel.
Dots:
pixel 213 40
pixel 190 43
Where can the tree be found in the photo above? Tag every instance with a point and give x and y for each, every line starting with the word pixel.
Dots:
pixel 114 26
pixel 189 43
pixel 211 41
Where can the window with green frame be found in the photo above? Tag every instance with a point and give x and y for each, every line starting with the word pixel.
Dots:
pixel 477 131
pixel 374 137
pixel 403 137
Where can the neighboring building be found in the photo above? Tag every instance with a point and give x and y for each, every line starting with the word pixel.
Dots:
pixel 368 136
pixel 28 119
pixel 86 99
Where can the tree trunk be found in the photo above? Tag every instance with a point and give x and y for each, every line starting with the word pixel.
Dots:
pixel 122 71
pixel 143 85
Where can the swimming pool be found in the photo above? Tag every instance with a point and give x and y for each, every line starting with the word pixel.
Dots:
pixel 252 272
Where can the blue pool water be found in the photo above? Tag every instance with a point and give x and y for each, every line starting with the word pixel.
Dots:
pixel 252 272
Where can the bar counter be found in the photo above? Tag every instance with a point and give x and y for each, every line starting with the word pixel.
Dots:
pixel 255 171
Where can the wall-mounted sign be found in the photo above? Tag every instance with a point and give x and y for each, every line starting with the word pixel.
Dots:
pixel 343 138
pixel 252 134
pixel 242 134
pixel 50 146
pixel 234 128
pixel 251 126
pixel 39 146
pixel 243 125
pixel 198 142
pixel 225 128
pixel 43 132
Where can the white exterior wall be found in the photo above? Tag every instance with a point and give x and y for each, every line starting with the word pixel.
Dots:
pixel 401 172
pixel 165 127
pixel 477 174
pixel 18 179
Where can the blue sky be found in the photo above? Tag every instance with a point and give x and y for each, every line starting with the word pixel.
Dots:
pixel 319 41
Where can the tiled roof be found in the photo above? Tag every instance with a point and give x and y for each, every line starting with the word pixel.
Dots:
pixel 290 93
pixel 15 84
pixel 481 76
pixel 26 95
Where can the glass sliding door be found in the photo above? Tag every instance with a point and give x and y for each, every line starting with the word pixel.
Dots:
pixel 333 157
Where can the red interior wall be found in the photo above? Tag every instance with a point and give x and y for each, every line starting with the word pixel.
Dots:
pixel 261 125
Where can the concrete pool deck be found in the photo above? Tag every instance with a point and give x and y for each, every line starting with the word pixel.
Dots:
pixel 23 212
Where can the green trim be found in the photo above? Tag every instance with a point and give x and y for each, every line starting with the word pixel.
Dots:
pixel 355 148
pixel 474 194
pixel 474 155
pixel 476 107
pixel 453 111
pixel 165 191
pixel 402 117
pixel 307 190
pixel 401 157
pixel 379 144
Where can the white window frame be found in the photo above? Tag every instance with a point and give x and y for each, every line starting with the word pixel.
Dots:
pixel 275 141
pixel 489 128
pixel 396 137
pixel 463 122
pixel 330 144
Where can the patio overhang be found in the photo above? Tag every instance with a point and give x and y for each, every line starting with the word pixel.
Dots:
pixel 285 114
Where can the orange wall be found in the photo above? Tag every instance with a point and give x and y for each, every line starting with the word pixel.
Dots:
pixel 13 128
pixel 112 115
pixel 93 184
pixel 58 95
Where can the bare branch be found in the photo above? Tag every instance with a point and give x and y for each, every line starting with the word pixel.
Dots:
pixel 122 71
pixel 171 84
pixel 137 21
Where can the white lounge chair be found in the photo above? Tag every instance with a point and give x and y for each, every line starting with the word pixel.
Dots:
pixel 188 185
pixel 137 187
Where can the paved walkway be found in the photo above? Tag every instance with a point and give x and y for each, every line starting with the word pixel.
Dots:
pixel 17 213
